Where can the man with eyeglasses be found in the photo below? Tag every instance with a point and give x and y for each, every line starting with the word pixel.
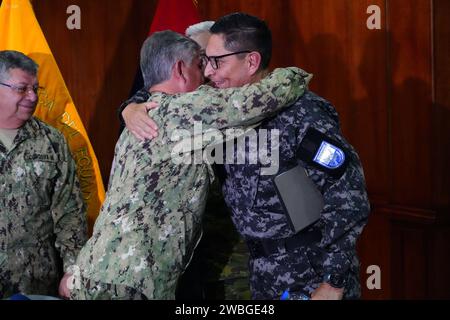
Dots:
pixel 42 214
pixel 320 261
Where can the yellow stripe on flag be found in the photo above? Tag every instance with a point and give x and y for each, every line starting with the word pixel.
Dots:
pixel 20 31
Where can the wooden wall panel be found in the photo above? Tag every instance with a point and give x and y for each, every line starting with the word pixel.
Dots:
pixel 410 263
pixel 365 121
pixel 376 253
pixel 439 262
pixel 411 61
pixel 439 278
pixel 441 119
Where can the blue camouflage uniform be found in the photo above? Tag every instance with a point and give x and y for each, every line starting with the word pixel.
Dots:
pixel 281 259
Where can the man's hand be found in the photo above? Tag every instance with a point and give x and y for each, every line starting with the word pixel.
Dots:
pixel 327 292
pixel 64 290
pixel 138 122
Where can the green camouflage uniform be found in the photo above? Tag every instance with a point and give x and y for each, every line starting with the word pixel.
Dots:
pixel 150 222
pixel 42 214
pixel 222 252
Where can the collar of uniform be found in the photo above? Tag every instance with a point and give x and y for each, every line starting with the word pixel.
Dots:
pixel 27 131
pixel 142 95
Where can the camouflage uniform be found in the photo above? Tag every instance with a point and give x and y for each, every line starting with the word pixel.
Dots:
pixel 150 221
pixel 258 213
pixel 42 215
pixel 219 268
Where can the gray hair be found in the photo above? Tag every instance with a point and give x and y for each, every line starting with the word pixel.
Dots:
pixel 10 59
pixel 161 51
pixel 197 28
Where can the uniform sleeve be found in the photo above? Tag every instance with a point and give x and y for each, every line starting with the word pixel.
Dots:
pixel 68 209
pixel 344 216
pixel 222 108
pixel 346 205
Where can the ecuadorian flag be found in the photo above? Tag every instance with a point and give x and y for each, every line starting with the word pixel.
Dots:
pixel 20 31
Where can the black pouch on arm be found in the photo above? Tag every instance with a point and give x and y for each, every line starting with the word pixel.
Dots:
pixel 301 199
pixel 323 153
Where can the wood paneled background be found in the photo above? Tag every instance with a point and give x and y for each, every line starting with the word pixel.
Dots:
pixel 391 88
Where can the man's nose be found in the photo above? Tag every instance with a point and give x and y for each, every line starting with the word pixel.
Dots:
pixel 208 70
pixel 31 95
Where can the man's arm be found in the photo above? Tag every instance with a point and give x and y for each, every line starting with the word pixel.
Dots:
pixel 138 122
pixel 208 104
pixel 344 217
pixel 68 209
pixel 346 207
pixel 223 108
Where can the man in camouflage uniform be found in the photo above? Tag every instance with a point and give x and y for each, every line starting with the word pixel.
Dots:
pixel 149 224
pixel 218 269
pixel 42 215
pixel 320 261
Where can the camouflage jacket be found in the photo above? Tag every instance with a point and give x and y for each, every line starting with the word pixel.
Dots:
pixel 42 214
pixel 256 208
pixel 151 218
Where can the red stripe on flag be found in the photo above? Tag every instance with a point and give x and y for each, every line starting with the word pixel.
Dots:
pixel 175 15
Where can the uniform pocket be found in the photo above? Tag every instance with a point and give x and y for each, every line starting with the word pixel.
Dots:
pixel 39 180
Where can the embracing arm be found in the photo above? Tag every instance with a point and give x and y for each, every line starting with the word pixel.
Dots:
pixel 222 108
pixel 133 114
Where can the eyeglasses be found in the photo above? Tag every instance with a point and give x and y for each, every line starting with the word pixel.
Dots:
pixel 23 89
pixel 214 60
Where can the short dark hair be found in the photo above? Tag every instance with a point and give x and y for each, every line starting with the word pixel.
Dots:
pixel 245 32
pixel 10 59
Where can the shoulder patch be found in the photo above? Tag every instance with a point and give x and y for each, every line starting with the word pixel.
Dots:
pixel 322 152
pixel 329 156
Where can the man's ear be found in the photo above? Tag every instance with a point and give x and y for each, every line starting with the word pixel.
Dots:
pixel 253 61
pixel 178 70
